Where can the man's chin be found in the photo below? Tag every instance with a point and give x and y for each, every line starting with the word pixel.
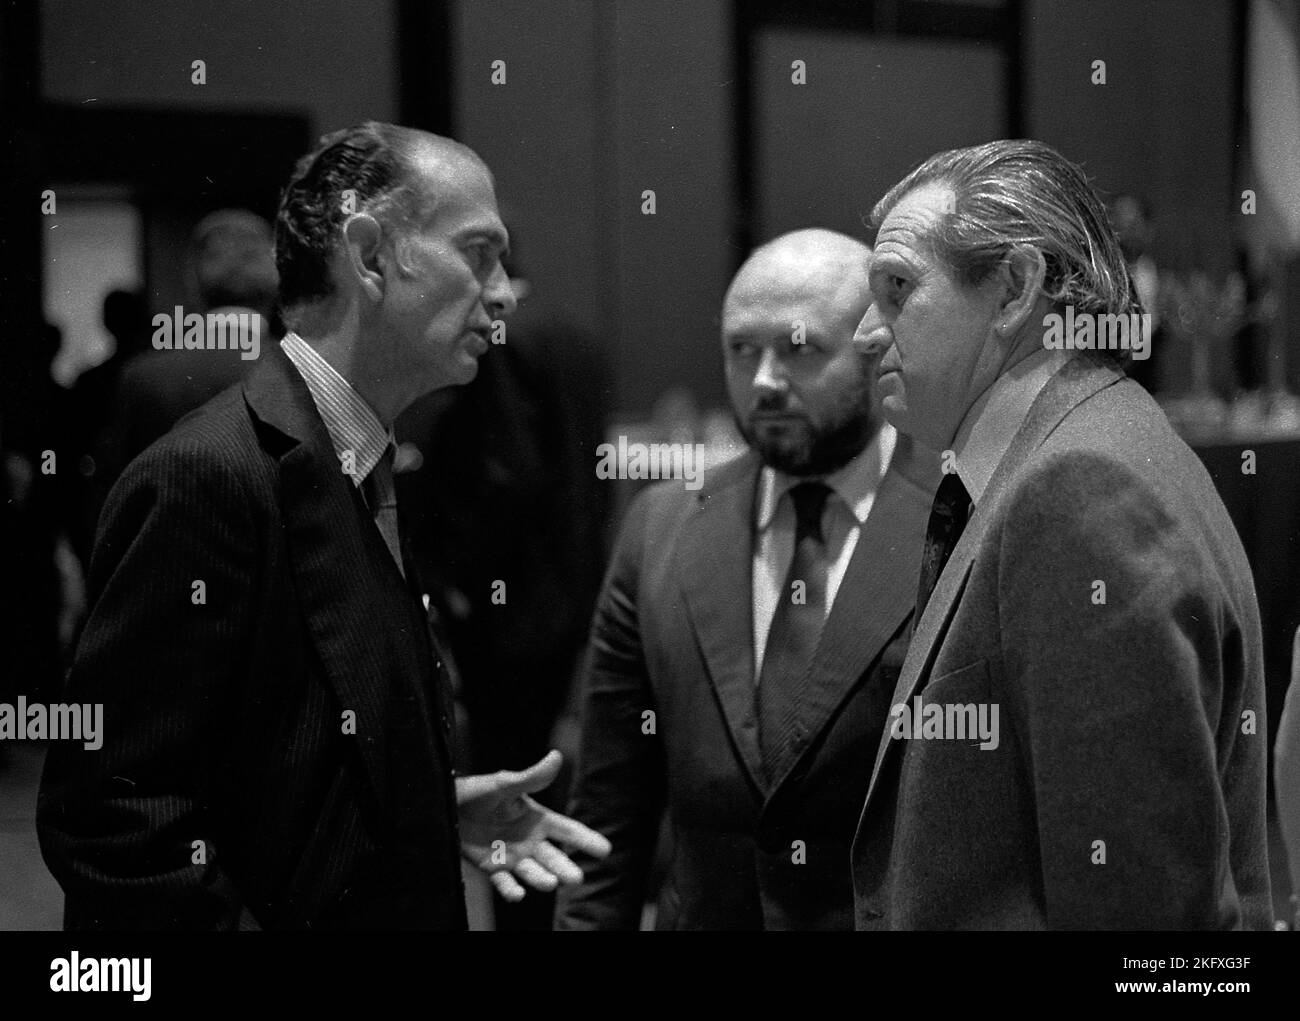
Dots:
pixel 467 367
pixel 461 373
pixel 783 447
pixel 790 458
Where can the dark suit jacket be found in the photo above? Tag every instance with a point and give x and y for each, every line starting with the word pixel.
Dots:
pixel 673 635
pixel 509 493
pixel 224 715
pixel 1121 721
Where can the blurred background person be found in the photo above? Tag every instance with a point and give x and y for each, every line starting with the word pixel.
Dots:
pixel 508 521
pixel 1131 218
pixel 1286 779
pixel 89 429
pixel 42 599
pixel 231 268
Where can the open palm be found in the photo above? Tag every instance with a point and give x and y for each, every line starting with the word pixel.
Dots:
pixel 512 838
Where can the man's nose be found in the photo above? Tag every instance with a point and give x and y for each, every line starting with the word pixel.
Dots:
pixel 499 296
pixel 769 375
pixel 872 336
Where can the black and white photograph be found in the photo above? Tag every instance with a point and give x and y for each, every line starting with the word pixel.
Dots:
pixel 649 465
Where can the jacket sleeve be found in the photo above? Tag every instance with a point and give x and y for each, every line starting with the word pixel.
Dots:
pixel 129 828
pixel 1286 778
pixel 1131 652
pixel 619 782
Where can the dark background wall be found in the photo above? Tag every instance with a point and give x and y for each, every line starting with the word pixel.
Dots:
pixel 1162 125
pixel 604 100
pixel 334 59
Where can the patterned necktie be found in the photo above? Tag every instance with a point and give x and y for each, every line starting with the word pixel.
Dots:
pixel 381 498
pixel 796 629
pixel 948 517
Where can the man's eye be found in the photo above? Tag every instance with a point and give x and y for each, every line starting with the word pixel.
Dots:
pixel 742 350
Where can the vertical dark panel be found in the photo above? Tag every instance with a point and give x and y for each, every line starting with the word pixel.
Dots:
pixel 20 222
pixel 1239 23
pixel 744 29
pixel 604 59
pixel 424 65
pixel 1013 48
pixel 987 28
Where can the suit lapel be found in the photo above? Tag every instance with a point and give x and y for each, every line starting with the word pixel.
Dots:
pixel 879 587
pixel 1076 381
pixel 715 565
pixel 354 623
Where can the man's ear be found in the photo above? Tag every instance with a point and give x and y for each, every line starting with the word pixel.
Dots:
pixel 1021 273
pixel 362 240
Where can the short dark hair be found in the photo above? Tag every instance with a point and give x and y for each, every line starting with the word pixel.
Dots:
pixel 373 160
pixel 1023 192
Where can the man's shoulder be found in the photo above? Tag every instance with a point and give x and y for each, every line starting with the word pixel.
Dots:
pixel 214 441
pixel 660 514
pixel 673 500
pixel 1121 429
pixel 1115 458
pixel 172 376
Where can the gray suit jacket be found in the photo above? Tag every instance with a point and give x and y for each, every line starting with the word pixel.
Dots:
pixel 673 635
pixel 1127 789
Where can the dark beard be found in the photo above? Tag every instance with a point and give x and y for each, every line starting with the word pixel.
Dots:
pixel 824 449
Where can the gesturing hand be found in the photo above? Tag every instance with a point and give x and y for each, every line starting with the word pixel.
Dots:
pixel 508 835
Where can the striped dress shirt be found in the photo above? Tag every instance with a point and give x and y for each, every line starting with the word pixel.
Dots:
pixel 359 438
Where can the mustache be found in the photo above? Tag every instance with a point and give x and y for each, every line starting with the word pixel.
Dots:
pixel 773 404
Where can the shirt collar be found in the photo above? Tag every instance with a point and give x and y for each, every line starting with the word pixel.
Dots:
pixel 986 432
pixel 359 438
pixel 856 483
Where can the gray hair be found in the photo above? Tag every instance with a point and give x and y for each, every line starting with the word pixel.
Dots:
pixel 1021 192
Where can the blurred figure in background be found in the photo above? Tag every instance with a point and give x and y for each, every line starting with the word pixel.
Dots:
pixel 42 599
pixel 507 520
pixel 1286 780
pixel 1131 218
pixel 231 269
pixel 87 432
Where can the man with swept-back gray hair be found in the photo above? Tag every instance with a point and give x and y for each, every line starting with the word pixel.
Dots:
pixel 1082 589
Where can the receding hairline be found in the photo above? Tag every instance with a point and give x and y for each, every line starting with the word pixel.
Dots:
pixel 441 149
pixel 805 251
pixel 816 241
pixel 424 155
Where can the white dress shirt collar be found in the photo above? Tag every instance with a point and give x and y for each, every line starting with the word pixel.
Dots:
pixel 856 483
pixel 986 432
pixel 358 436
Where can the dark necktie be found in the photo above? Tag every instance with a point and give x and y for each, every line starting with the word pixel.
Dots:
pixel 948 517
pixel 381 498
pixel 796 629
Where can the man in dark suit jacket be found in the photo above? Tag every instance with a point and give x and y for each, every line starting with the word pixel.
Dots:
pixel 1078 735
pixel 275 737
pixel 702 696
